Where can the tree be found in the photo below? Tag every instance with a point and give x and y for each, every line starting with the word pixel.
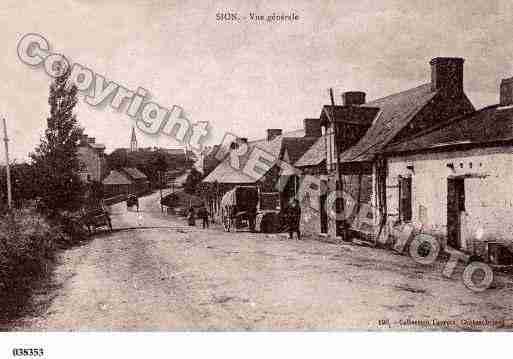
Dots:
pixel 159 165
pixel 191 182
pixel 55 159
pixel 118 159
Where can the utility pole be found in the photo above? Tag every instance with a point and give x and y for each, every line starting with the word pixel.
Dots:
pixel 339 186
pixel 160 185
pixel 7 166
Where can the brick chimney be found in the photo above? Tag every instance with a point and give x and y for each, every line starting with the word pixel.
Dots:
pixel 447 74
pixel 272 133
pixel 91 140
pixel 506 92
pixel 350 98
pixel 312 127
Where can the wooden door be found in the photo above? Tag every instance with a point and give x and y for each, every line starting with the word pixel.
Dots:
pixel 455 206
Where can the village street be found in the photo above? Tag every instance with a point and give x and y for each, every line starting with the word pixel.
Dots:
pixel 168 276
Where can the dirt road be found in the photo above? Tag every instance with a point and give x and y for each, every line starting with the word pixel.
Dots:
pixel 175 277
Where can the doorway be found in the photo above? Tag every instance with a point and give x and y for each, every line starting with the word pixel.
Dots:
pixel 324 213
pixel 455 208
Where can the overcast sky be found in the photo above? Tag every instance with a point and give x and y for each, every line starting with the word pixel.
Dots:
pixel 245 77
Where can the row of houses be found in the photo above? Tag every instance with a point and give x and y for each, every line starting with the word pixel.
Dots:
pixel 93 169
pixel 424 156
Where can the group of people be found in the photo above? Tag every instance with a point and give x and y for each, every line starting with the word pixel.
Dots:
pixel 202 214
pixel 292 218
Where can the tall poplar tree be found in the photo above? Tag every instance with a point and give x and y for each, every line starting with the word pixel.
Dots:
pixel 55 159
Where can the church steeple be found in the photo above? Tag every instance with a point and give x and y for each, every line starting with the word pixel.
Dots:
pixel 133 141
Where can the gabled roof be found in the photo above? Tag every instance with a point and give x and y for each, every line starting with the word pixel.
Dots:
pixel 395 112
pixel 492 124
pixel 134 173
pixel 358 115
pixel 292 147
pixel 97 146
pixel 116 178
pixel 314 155
pixel 295 147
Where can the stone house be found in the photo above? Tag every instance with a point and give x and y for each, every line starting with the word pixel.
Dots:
pixel 91 156
pixel 273 176
pixel 358 133
pixel 455 180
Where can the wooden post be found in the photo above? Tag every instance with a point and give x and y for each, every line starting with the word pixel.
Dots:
pixel 160 185
pixel 339 186
pixel 7 166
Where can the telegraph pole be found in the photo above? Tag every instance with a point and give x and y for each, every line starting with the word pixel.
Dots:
pixel 160 185
pixel 7 166
pixel 339 186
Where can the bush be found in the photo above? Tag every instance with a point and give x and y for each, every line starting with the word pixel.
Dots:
pixel 28 246
pixel 26 242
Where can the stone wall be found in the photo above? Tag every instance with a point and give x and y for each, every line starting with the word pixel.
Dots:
pixel 488 177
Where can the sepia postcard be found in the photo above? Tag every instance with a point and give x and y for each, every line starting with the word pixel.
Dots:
pixel 261 166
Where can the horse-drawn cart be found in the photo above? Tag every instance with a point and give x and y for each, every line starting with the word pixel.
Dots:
pixel 96 217
pixel 239 207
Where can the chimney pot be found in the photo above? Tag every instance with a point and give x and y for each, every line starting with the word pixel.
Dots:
pixel 506 92
pixel 272 133
pixel 447 74
pixel 350 98
pixel 312 127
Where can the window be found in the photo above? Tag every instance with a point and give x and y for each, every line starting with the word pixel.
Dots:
pixel 405 205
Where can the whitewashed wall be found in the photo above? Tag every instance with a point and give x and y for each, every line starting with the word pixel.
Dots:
pixel 488 201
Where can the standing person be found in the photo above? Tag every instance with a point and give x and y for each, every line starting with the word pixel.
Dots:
pixel 203 214
pixel 252 219
pixel 293 219
pixel 191 217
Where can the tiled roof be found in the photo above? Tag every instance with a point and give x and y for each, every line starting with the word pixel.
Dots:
pixel 296 147
pixel 315 154
pixel 291 143
pixel 489 125
pixel 395 113
pixel 116 178
pixel 134 173
pixel 340 113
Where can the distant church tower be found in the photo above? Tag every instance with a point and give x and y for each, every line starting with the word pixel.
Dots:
pixel 133 142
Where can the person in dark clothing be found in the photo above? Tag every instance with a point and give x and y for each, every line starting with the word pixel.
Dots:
pixel 191 217
pixel 203 214
pixel 293 219
pixel 252 213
